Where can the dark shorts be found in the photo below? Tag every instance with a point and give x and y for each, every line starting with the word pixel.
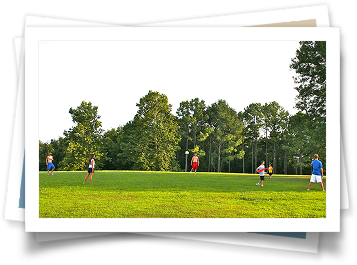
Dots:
pixel 90 170
pixel 270 174
pixel 261 177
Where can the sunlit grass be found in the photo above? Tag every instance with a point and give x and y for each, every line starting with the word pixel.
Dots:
pixel 135 194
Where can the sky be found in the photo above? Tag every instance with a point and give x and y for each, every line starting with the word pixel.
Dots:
pixel 114 75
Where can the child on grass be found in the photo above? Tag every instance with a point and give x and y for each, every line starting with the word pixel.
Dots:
pixel 270 170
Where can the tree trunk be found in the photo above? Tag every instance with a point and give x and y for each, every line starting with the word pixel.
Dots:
pixel 274 159
pixel 219 157
pixel 187 140
pixel 243 155
pixel 300 161
pixel 209 154
pixel 286 163
pixel 203 146
pixel 194 139
pixel 252 159
pixel 266 147
pixel 256 153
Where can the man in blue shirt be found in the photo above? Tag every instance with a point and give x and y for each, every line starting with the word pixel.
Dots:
pixel 317 172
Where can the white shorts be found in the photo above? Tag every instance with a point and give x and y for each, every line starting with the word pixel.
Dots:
pixel 315 178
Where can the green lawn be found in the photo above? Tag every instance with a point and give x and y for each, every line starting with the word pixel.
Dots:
pixel 131 194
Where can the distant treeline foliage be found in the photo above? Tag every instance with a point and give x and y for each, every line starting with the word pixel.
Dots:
pixel 225 141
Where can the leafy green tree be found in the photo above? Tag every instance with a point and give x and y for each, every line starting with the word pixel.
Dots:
pixel 44 149
pixel 84 138
pixel 276 122
pixel 253 119
pixel 184 120
pixel 151 139
pixel 111 142
pixel 56 147
pixel 300 144
pixel 59 150
pixel 310 67
pixel 199 117
pixel 192 119
pixel 227 129
pixel 244 136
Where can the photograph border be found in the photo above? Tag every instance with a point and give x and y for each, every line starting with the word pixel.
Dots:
pixel 35 224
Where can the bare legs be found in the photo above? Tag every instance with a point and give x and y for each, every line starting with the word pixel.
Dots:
pixel 192 169
pixel 90 179
pixel 321 184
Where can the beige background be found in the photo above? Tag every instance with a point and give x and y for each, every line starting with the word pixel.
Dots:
pixel 302 23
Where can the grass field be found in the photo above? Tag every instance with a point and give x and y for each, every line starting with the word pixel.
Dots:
pixel 130 194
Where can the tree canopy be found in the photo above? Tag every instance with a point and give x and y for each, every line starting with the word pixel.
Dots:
pixel 226 141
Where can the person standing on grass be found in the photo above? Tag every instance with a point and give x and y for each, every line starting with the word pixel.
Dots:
pixel 91 163
pixel 317 172
pixel 195 162
pixel 261 173
pixel 270 170
pixel 49 164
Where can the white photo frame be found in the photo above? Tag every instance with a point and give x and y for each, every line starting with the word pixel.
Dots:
pixel 34 35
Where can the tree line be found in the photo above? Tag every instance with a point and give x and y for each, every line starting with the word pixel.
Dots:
pixel 224 139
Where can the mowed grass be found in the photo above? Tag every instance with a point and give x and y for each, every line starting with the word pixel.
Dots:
pixel 132 194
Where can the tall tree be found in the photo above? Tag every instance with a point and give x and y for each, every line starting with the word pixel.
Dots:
pixel 310 67
pixel 241 117
pixel 277 119
pixel 253 115
pixel 111 142
pixel 151 139
pixel 227 129
pixel 84 138
pixel 184 120
pixel 199 118
pixel 192 119
pixel 300 142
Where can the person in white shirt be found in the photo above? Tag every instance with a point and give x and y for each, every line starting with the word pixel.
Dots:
pixel 260 170
pixel 91 164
